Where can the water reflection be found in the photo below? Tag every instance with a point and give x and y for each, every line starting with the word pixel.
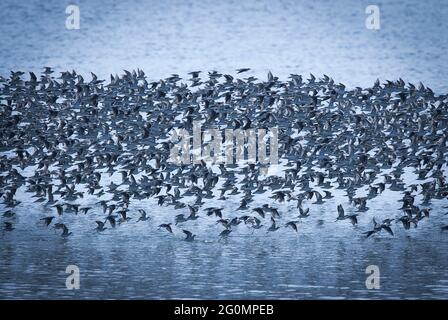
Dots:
pixel 146 265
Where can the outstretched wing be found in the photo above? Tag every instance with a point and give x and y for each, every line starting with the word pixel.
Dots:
pixel 388 229
pixel 353 219
pixel 369 233
pixel 188 233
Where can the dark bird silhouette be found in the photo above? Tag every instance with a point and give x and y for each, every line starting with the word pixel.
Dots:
pixel 189 235
pixel 225 233
pixel 242 70
pixel 143 215
pixel 100 226
pixel 47 220
pixel 65 232
pixel 167 227
pixel 293 225
pixel 342 216
pixel 8 226
pixel 273 226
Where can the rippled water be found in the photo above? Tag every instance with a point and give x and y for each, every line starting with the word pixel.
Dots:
pixel 136 260
pixel 162 37
pixel 139 262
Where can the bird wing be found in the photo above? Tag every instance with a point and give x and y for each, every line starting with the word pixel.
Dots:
pixel 353 219
pixel 188 233
pixel 388 229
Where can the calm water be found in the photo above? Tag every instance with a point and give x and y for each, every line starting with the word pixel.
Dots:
pixel 293 36
pixel 136 260
pixel 162 37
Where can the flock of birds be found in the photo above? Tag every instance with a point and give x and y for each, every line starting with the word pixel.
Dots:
pixel 63 136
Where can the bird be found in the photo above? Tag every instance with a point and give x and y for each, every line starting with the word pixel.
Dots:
pixel 189 236
pixel 243 205
pixel 85 209
pixel 193 211
pixel 216 211
pixel 304 213
pixel 124 216
pixel 59 209
pixel 377 227
pixel 342 216
pixel 65 232
pixel 59 225
pixel 47 220
pixel 194 74
pixel 100 226
pixel 273 211
pixel 143 215
pixel 293 225
pixel 9 214
pixel 111 220
pixel 386 225
pixel 241 70
pixel 257 223
pixel 260 211
pixel 180 218
pixel 8 226
pixel 273 226
pixel 225 233
pixel 167 227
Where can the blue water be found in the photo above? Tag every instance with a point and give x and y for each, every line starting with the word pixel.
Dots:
pixel 163 37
